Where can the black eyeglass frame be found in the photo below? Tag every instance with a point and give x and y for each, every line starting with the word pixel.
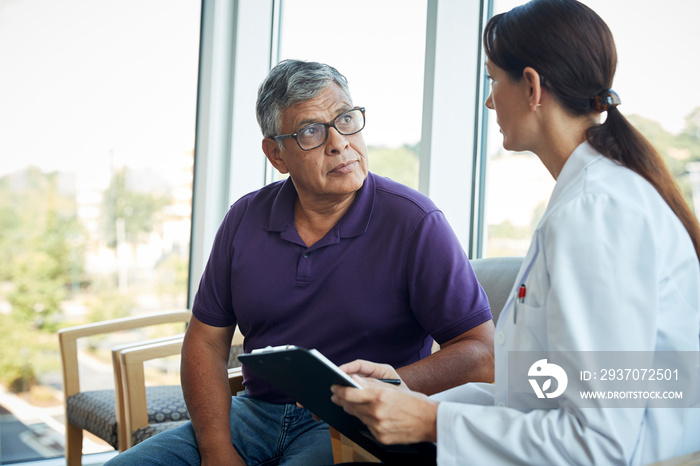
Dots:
pixel 327 126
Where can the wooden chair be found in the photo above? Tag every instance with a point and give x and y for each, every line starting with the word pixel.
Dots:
pixel 139 417
pixel 161 397
pixel 347 451
pixel 96 411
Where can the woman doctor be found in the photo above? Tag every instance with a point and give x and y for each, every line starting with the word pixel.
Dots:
pixel 613 265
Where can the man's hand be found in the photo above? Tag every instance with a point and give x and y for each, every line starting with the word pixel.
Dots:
pixel 393 414
pixel 223 457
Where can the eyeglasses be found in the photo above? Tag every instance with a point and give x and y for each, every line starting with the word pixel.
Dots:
pixel 315 135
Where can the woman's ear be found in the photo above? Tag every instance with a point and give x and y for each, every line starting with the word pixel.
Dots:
pixel 532 78
pixel 274 155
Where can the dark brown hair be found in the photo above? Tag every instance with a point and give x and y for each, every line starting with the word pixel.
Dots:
pixel 574 52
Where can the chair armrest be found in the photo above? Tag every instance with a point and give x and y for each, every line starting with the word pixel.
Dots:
pixel 119 386
pixel 134 383
pixel 235 375
pixel 235 380
pixel 130 384
pixel 237 338
pixel 68 337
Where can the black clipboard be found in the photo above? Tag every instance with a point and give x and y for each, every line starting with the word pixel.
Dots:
pixel 306 376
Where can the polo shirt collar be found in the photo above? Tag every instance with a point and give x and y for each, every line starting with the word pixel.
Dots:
pixel 355 221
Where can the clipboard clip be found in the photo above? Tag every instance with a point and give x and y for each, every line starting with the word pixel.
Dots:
pixel 272 349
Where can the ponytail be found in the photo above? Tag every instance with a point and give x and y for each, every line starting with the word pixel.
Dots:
pixel 618 140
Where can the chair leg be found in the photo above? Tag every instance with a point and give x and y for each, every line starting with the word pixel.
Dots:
pixel 74 445
pixel 347 451
pixel 338 456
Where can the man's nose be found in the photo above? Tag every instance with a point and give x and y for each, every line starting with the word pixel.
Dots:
pixel 336 142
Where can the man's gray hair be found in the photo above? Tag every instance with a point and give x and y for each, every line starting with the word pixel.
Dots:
pixel 291 82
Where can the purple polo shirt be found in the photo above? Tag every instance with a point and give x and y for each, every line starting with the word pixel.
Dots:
pixel 388 276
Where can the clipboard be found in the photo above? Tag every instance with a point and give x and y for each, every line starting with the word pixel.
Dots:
pixel 306 376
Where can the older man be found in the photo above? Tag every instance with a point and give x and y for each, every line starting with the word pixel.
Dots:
pixel 333 258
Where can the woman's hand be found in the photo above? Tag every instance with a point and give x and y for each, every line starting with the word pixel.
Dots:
pixel 368 370
pixel 393 414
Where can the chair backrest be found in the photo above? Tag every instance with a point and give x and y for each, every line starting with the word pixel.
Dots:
pixel 497 277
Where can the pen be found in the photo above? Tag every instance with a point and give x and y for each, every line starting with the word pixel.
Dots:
pixel 391 381
pixel 521 299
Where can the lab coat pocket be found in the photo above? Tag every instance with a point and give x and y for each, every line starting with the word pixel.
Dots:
pixel 531 328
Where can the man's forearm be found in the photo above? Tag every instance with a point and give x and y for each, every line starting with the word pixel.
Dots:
pixel 468 358
pixel 206 390
pixel 208 399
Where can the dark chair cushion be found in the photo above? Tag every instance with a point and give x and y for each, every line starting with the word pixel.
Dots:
pixel 94 410
pixel 165 404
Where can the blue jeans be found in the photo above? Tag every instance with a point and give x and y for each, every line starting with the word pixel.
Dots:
pixel 262 433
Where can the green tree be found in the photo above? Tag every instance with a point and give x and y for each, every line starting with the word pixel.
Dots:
pixel 41 244
pixel 37 288
pixel 400 163
pixel 137 212
pixel 666 143
pixel 676 150
pixel 10 232
pixel 173 274
pixel 692 125
pixel 690 137
pixel 24 353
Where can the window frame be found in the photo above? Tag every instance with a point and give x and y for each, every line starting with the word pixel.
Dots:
pixel 240 44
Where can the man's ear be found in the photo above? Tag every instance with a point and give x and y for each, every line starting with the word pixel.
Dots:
pixel 532 78
pixel 274 155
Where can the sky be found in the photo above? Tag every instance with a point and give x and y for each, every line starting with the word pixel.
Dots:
pixel 76 81
pixel 76 84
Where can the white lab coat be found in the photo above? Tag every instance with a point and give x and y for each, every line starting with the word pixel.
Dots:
pixel 610 268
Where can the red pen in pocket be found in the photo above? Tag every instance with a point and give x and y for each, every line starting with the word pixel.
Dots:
pixel 521 299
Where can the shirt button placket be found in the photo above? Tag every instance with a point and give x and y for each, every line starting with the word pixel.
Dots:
pixel 304 268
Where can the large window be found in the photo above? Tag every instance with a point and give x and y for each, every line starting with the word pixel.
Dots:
pixel 97 126
pixel 380 49
pixel 656 80
pixel 412 64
